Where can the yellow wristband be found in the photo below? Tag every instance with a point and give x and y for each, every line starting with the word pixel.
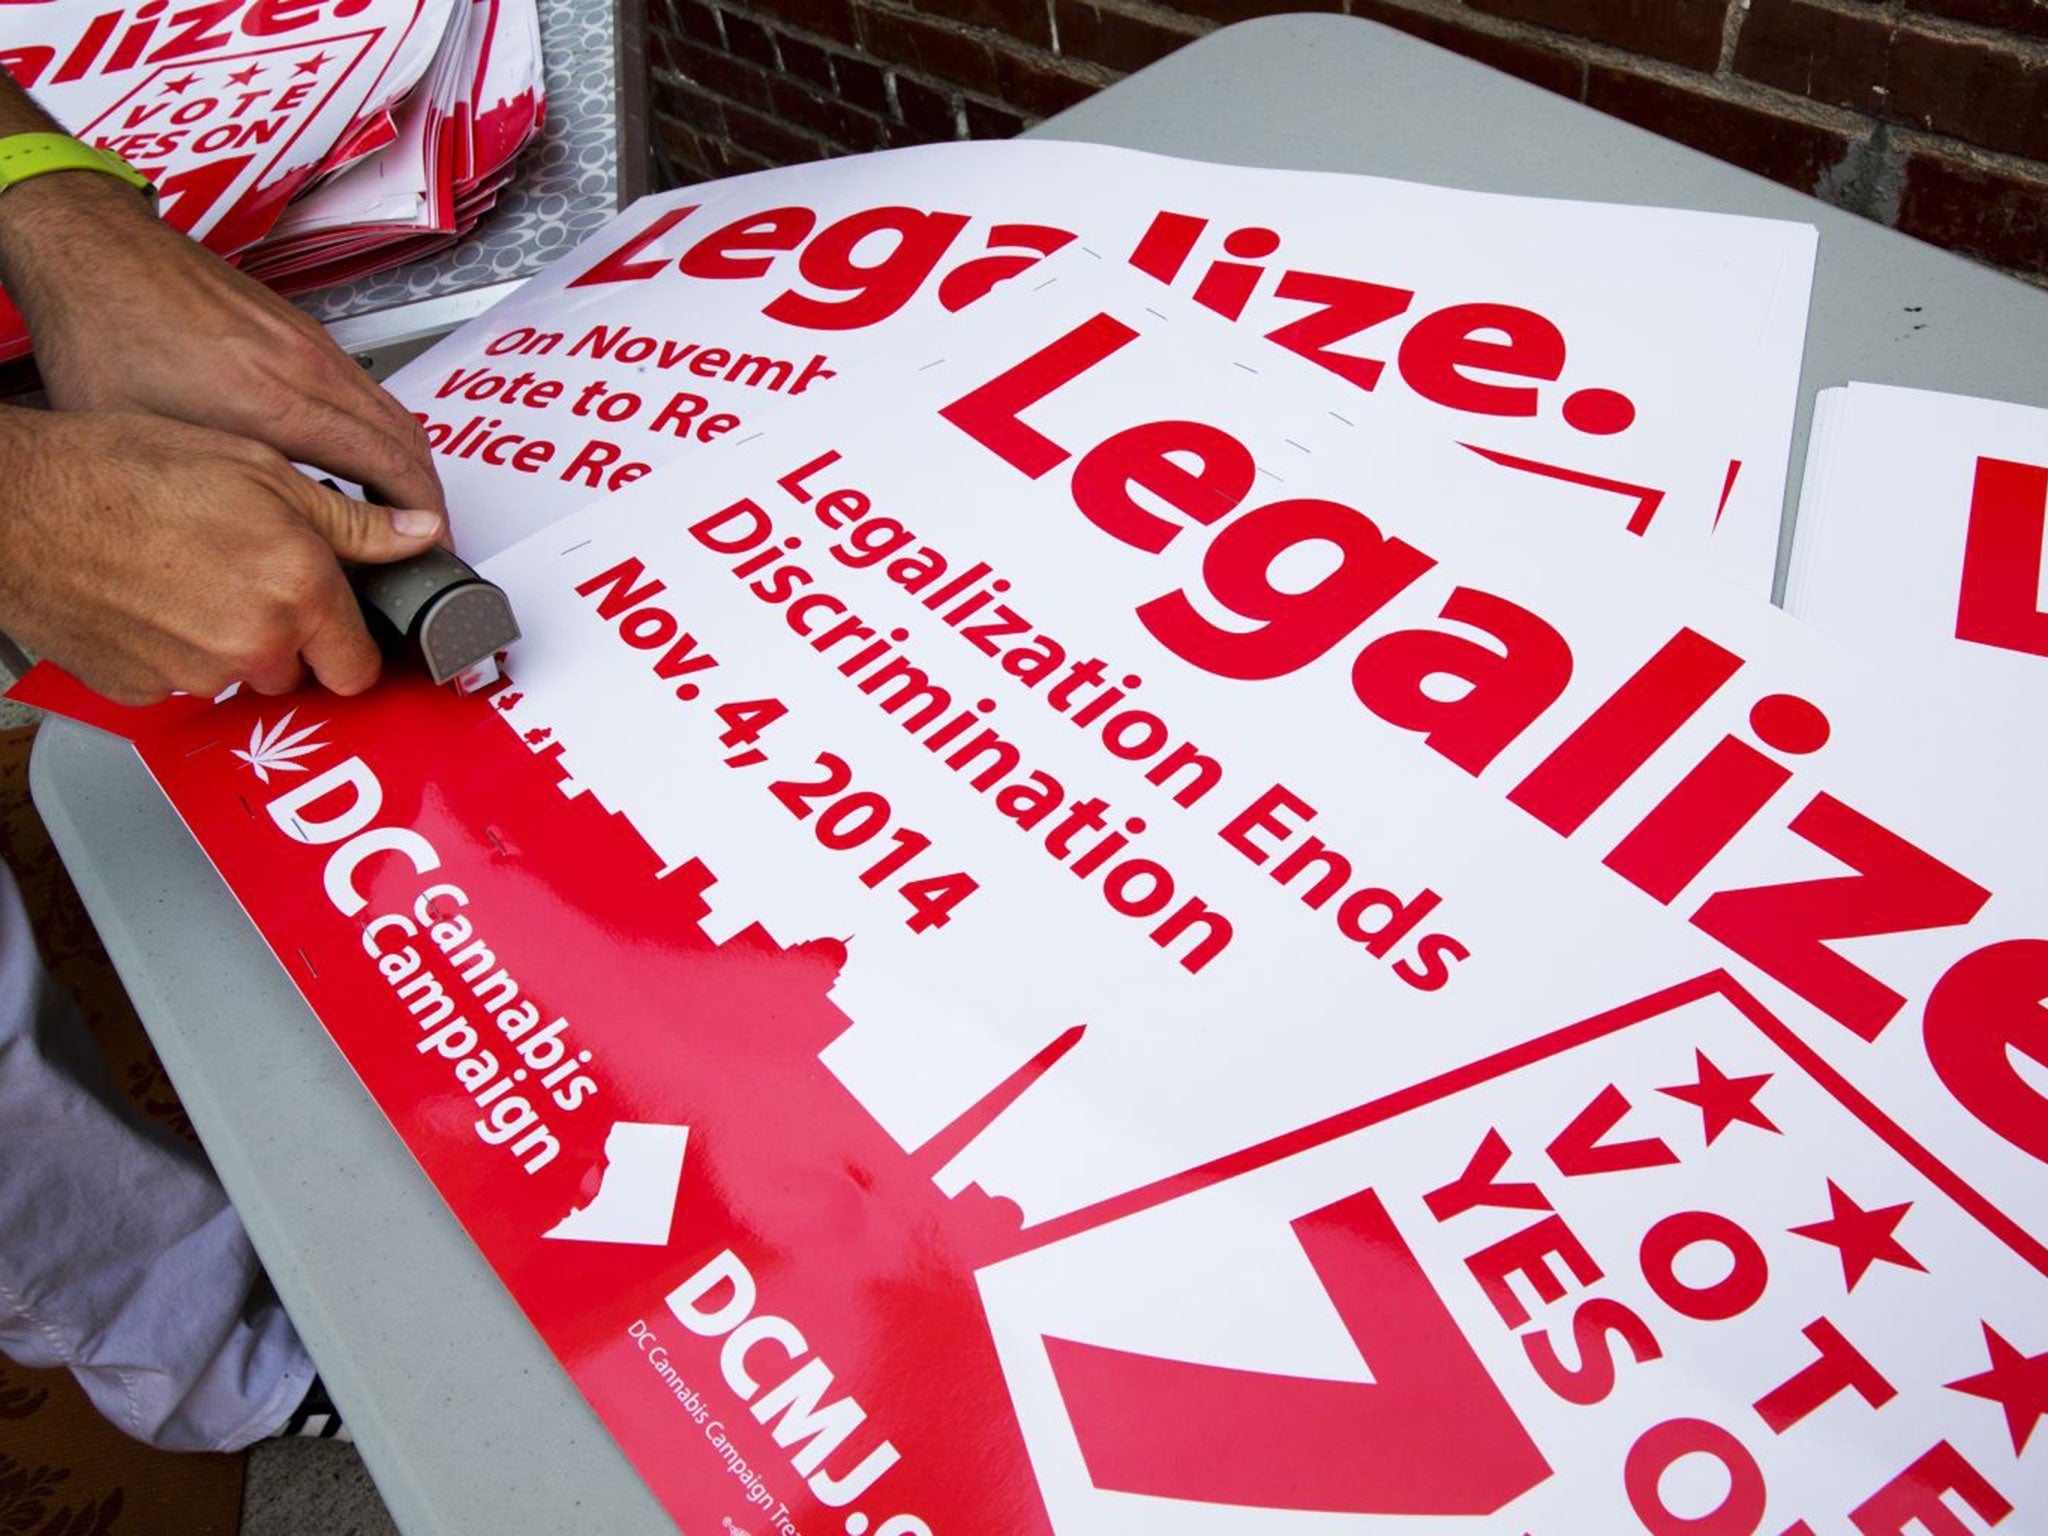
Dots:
pixel 25 156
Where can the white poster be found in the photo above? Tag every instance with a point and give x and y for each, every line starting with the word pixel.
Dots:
pixel 1644 360
pixel 1919 544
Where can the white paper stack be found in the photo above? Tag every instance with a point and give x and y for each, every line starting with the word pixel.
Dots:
pixel 1919 543
pixel 451 151
pixel 396 120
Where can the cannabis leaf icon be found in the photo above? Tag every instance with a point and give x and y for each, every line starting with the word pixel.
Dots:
pixel 271 750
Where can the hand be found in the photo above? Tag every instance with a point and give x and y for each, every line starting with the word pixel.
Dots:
pixel 147 556
pixel 130 315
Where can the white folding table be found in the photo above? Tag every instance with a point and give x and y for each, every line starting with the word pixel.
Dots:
pixel 464 1419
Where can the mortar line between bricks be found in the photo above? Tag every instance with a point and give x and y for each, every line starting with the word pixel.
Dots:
pixel 1742 91
pixel 1081 71
pixel 1731 88
pixel 1897 16
pixel 1731 35
pixel 2002 162
pixel 1584 51
pixel 728 103
pixel 1189 28
pixel 826 146
pixel 1165 15
pixel 1885 188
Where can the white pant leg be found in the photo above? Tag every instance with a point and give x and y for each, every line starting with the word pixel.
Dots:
pixel 120 1257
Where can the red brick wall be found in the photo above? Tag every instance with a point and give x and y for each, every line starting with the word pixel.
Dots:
pixel 1930 115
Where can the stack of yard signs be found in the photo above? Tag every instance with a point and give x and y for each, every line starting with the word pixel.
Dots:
pixel 397 121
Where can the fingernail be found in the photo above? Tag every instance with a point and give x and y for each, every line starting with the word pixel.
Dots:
pixel 416 525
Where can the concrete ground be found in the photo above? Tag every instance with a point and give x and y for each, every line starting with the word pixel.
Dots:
pixel 311 1488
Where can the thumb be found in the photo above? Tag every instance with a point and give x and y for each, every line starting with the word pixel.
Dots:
pixel 362 530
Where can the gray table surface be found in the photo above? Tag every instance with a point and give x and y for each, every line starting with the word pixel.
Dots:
pixel 463 1417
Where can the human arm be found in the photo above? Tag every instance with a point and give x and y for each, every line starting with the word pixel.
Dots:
pixel 129 315
pixel 148 556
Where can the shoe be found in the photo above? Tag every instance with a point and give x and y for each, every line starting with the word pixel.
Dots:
pixel 316 1418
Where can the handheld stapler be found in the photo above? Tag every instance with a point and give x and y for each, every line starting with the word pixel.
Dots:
pixel 436 610
pixel 441 614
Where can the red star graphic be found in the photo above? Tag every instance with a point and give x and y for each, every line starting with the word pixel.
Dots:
pixel 243 77
pixel 1864 1237
pixel 2017 1383
pixel 179 86
pixel 313 65
pixel 1722 1100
